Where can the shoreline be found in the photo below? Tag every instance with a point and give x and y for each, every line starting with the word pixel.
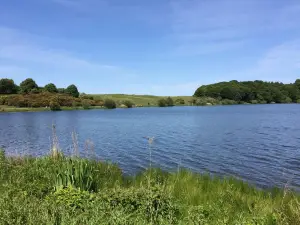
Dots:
pixel 86 191
pixel 8 109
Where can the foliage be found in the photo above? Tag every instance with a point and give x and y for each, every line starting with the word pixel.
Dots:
pixel 73 91
pixel 86 104
pixel 110 104
pixel 77 174
pixel 85 96
pixel 70 197
pixel 7 86
pixel 162 102
pixel 54 105
pixel 180 101
pixel 28 196
pixel 61 90
pixel 51 88
pixel 128 104
pixel 169 101
pixel 248 91
pixel 28 85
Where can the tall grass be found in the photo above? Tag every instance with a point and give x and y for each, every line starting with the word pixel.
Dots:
pixel 58 189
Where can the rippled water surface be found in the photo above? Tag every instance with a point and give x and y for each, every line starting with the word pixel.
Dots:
pixel 258 143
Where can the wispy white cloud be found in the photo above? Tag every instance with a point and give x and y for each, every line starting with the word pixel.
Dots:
pixel 208 24
pixel 281 62
pixel 19 48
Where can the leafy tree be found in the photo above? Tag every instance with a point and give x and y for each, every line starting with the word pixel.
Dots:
pixel 170 101
pixel 251 91
pixel 110 104
pixel 28 85
pixel 51 88
pixel 297 83
pixel 72 90
pixel 7 86
pixel 162 102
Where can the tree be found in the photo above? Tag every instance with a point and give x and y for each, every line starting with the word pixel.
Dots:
pixel 7 86
pixel 170 101
pixel 51 88
pixel 162 102
pixel 28 85
pixel 72 90
pixel 110 104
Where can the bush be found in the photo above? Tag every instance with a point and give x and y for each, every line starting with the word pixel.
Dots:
pixel 298 101
pixel 110 104
pixel 162 102
pixel 179 101
pixel 229 102
pixel 17 101
pixel 86 104
pixel 54 105
pixel 128 104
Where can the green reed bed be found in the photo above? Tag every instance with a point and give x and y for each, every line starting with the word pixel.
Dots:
pixel 70 190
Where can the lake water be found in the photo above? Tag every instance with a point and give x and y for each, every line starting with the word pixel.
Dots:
pixel 257 143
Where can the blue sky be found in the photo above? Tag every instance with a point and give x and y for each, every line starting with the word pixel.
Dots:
pixel 161 47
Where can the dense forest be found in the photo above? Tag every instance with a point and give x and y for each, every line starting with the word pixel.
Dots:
pixel 252 91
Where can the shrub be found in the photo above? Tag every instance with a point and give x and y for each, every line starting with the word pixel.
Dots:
pixel 85 96
pixel 17 101
pixel 179 101
pixel 110 104
pixel 73 91
pixel 298 101
pixel 129 104
pixel 162 102
pixel 35 91
pixel 3 100
pixel 86 104
pixel 228 102
pixel 54 105
pixel 71 197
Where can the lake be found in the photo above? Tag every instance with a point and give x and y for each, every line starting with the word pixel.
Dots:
pixel 257 143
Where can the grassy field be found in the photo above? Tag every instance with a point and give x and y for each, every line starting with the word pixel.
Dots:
pixel 141 100
pixel 71 190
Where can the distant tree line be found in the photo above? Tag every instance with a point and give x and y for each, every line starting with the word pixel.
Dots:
pixel 29 94
pixel 252 91
pixel 8 86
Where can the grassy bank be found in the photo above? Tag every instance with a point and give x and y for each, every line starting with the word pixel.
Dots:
pixel 4 108
pixel 72 190
pixel 142 100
